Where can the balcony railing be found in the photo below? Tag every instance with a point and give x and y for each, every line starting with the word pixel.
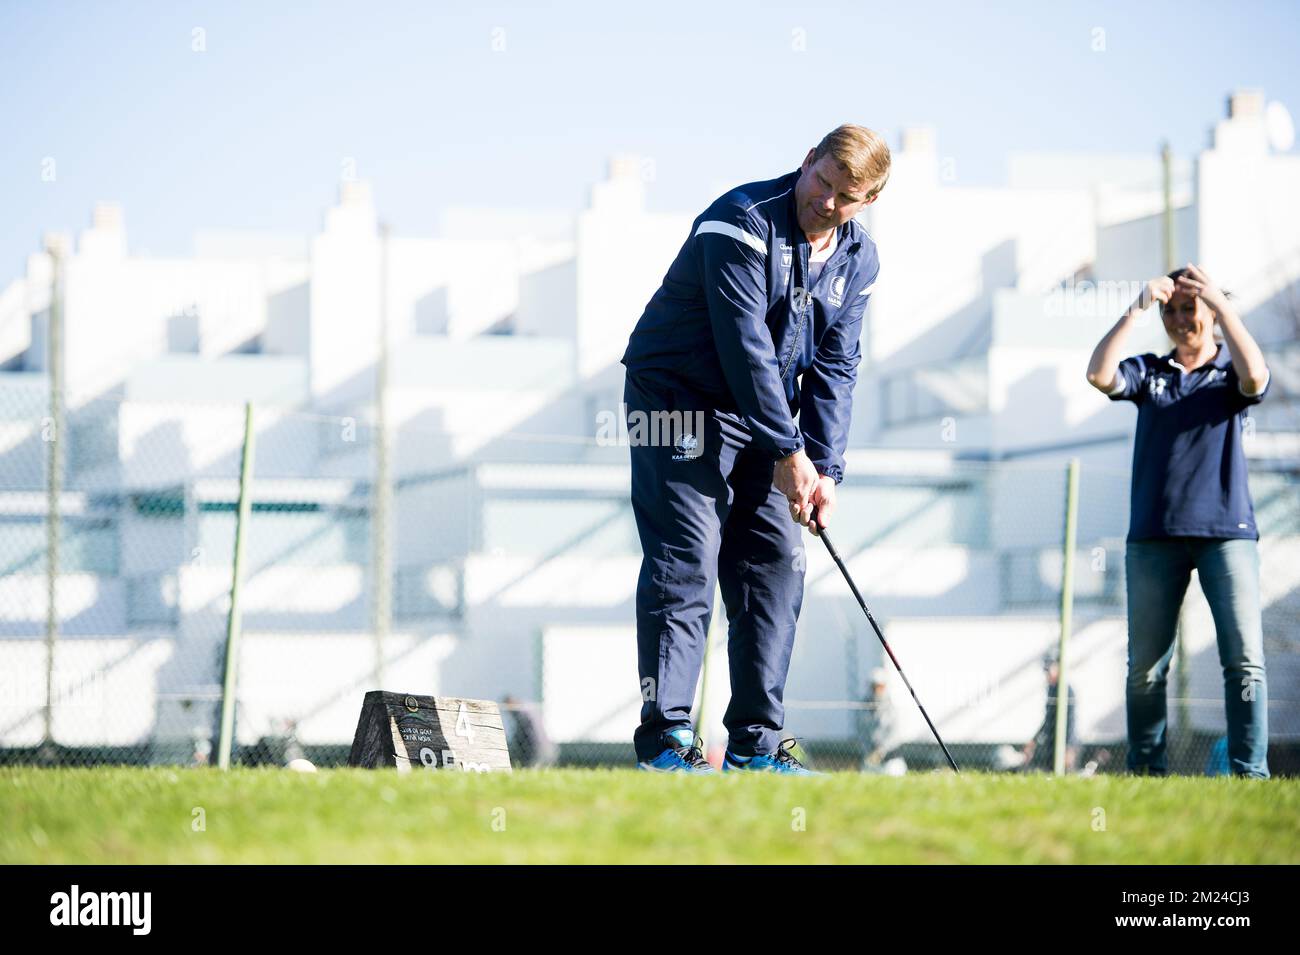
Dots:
pixel 936 390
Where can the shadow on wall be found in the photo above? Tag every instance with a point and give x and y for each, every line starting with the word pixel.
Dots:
pixel 968 329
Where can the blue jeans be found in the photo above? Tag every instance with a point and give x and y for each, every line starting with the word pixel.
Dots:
pixel 1158 574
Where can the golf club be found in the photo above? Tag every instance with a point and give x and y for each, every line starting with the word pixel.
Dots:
pixel 821 532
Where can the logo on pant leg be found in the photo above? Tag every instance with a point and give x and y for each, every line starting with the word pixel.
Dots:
pixel 688 447
pixel 680 430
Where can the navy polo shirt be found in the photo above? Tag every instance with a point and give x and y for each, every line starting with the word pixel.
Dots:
pixel 1189 468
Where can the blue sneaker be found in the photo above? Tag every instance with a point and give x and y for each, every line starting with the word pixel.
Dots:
pixel 782 761
pixel 683 754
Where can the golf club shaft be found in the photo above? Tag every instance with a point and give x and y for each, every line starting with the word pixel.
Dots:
pixel 883 642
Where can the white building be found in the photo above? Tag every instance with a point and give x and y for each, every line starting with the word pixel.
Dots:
pixel 514 553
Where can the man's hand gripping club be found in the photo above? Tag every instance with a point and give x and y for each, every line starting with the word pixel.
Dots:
pixel 805 490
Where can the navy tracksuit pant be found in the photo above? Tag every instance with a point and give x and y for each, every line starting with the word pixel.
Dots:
pixel 707 514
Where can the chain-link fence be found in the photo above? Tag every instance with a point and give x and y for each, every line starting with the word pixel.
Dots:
pixel 511 577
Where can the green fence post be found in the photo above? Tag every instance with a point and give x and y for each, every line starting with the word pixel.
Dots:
pixel 228 689
pixel 1067 609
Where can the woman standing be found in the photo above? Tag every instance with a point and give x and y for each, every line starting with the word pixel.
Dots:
pixel 1190 508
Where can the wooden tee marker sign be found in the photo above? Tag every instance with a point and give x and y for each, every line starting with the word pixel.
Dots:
pixel 442 732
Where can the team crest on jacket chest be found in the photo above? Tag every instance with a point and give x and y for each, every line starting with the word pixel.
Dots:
pixel 836 297
pixel 787 255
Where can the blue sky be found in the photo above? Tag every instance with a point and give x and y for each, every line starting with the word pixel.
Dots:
pixel 252 132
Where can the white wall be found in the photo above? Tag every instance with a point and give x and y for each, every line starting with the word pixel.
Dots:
pixel 1248 204
pixel 623 253
pixel 944 249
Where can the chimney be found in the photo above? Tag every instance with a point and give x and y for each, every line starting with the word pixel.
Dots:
pixel 1244 131
pixel 918 139
pixel 354 192
pixel 625 166
pixel 106 236
pixel 107 216
pixel 623 191
pixel 57 243
pixel 1243 104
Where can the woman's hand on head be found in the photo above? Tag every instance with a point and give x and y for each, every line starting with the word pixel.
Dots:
pixel 1194 281
pixel 1157 290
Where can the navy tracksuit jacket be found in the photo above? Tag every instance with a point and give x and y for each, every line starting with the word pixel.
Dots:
pixel 732 346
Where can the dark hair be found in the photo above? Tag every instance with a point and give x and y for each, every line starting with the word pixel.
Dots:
pixel 1176 274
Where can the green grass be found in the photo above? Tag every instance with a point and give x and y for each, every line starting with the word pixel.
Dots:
pixel 121 815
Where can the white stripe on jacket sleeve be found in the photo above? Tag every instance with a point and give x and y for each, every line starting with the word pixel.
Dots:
pixel 740 235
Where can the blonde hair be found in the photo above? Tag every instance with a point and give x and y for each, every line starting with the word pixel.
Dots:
pixel 861 151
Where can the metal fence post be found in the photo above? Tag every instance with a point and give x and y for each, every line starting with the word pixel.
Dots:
pixel 1067 610
pixel 228 688
pixel 54 490
pixel 381 574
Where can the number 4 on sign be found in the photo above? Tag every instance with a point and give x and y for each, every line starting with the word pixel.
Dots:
pixel 462 723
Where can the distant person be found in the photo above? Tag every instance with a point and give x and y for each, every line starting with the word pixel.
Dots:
pixel 876 722
pixel 1190 508
pixel 1040 752
pixel 757 321
pixel 528 743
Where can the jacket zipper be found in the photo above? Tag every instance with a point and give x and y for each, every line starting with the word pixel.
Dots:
pixel 808 304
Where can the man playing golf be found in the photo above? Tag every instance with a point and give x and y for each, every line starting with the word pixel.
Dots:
pixel 757 320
